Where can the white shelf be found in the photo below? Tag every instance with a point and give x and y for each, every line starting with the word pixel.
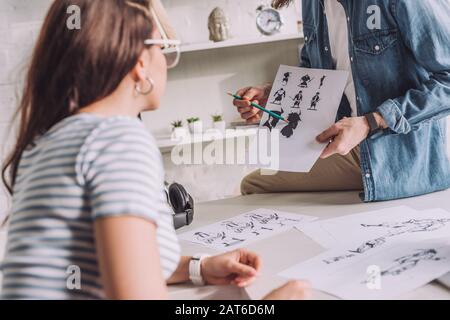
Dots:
pixel 238 42
pixel 166 144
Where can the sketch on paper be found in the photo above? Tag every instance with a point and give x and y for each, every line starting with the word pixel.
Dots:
pixel 245 229
pixel 279 96
pixel 314 101
pixel 403 266
pixel 286 77
pixel 272 122
pixel 305 80
pixel 297 100
pixel 395 229
pixel 292 99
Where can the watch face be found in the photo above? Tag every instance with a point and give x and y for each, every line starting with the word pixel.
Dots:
pixel 269 21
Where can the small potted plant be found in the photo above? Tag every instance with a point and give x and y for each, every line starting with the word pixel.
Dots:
pixel 178 131
pixel 218 123
pixel 195 125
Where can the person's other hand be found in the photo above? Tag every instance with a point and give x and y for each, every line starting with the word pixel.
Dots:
pixel 239 267
pixel 258 95
pixel 293 290
pixel 343 136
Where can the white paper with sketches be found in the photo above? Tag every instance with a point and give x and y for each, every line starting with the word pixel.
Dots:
pixel 361 233
pixel 244 229
pixel 383 273
pixel 309 100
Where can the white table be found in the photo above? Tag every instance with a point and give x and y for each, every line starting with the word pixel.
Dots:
pixel 285 250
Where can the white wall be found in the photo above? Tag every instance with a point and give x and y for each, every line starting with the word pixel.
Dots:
pixel 20 21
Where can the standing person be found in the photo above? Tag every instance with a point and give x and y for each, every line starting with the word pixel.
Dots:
pixel 87 178
pixel 390 137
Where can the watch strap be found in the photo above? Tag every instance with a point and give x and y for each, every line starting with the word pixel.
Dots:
pixel 195 269
pixel 373 124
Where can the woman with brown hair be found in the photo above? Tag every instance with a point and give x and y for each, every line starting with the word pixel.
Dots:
pixel 90 219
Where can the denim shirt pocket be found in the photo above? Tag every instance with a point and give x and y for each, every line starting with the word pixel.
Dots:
pixel 375 43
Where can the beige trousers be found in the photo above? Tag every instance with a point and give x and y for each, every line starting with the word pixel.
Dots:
pixel 337 173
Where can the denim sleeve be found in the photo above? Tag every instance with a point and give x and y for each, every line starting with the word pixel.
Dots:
pixel 425 29
pixel 304 58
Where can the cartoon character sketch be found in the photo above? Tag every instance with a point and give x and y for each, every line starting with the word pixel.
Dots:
pixel 217 238
pixel 293 118
pixel 279 96
pixel 411 226
pixel 305 80
pixel 370 245
pixel 409 262
pixel 315 100
pixel 322 81
pixel 297 100
pixel 272 219
pixel 338 258
pixel 271 121
pixel 286 77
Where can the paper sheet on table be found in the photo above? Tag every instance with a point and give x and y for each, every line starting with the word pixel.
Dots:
pixel 309 100
pixel 244 229
pixel 384 273
pixel 365 231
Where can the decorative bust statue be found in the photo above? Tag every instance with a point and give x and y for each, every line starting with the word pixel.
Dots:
pixel 218 26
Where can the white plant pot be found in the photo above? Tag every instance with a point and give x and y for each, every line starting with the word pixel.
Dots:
pixel 220 126
pixel 196 127
pixel 179 133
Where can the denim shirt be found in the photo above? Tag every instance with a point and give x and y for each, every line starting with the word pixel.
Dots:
pixel 401 70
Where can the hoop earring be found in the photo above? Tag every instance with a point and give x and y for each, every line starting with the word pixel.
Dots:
pixel 138 89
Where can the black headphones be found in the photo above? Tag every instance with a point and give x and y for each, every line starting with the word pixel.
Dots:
pixel 182 204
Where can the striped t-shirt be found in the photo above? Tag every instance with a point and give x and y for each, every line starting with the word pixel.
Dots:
pixel 85 168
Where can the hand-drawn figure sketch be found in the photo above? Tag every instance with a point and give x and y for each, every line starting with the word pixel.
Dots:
pixel 408 262
pixel 286 77
pixel 322 81
pixel 413 225
pixel 315 100
pixel 305 80
pixel 399 228
pixel 272 219
pixel 220 237
pixel 271 121
pixel 297 100
pixel 370 245
pixel 338 258
pixel 244 227
pixel 279 96
pixel 294 119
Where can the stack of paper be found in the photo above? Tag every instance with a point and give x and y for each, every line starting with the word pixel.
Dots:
pixel 377 255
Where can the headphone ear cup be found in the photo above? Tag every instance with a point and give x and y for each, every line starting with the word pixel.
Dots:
pixel 178 198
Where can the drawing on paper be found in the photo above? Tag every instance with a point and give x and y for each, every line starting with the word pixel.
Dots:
pixel 293 93
pixel 294 119
pixel 314 101
pixel 395 229
pixel 297 100
pixel 271 121
pixel 305 80
pixel 244 229
pixel 215 238
pixel 322 81
pixel 410 261
pixel 286 77
pixel 279 96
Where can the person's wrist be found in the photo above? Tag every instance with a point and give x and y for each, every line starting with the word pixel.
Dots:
pixel 366 126
pixel 380 120
pixel 196 269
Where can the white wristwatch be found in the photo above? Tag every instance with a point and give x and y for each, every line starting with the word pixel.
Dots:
pixel 195 269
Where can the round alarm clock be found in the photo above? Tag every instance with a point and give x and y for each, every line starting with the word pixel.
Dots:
pixel 269 21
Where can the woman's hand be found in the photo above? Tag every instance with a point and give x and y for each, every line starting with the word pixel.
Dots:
pixel 258 95
pixel 293 290
pixel 343 136
pixel 239 267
